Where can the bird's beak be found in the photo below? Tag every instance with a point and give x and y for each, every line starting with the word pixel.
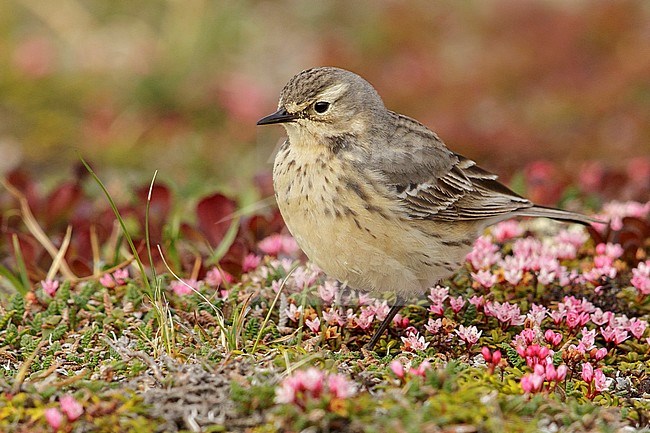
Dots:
pixel 280 116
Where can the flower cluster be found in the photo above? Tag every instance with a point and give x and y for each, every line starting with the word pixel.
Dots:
pixel 305 386
pixel 70 407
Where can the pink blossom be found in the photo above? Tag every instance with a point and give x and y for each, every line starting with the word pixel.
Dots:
pixel 314 325
pixel 614 334
pixel 513 269
pixel 485 278
pixel 528 335
pixel 340 387
pixel 554 338
pixel 600 354
pixel 380 308
pixel 184 287
pixel 537 314
pixel 327 291
pixel 587 372
pixel 601 383
pixel 71 407
pixel 600 318
pixel 641 278
pixel 401 322
pixel 437 309
pixel 506 230
pixel 536 354
pixel 557 316
pixel 414 342
pixel 491 358
pixel 438 294
pixel 50 286
pixel 53 417
pixel 251 262
pixel 485 253
pixel 477 301
pixel 300 385
pixel 215 277
pixel 555 375
pixel 333 316
pixel 277 244
pixel 637 327
pixel 469 335
pixel 364 320
pixel 616 211
pixel 456 304
pixel 115 279
pixel 397 368
pixel 433 326
pixel 293 312
pixel 575 319
pixel 588 338
pixel 421 369
pixel 532 383
pixel 506 313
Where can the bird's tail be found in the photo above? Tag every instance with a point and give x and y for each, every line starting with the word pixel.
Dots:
pixel 559 214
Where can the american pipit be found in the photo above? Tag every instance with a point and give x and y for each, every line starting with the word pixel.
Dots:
pixel 375 198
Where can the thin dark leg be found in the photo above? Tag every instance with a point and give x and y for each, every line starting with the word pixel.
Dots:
pixel 384 325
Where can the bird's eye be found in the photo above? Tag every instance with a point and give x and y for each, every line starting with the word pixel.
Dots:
pixel 321 107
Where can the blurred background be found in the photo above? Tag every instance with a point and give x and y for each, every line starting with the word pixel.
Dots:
pixel 528 88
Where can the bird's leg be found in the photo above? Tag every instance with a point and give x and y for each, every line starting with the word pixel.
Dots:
pixel 384 325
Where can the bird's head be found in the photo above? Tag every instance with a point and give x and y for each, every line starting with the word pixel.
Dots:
pixel 321 104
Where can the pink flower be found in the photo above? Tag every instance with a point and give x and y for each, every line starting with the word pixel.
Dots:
pixel 339 386
pixel 438 294
pixel 641 278
pixel 308 384
pixel 600 318
pixel 115 279
pixel 485 278
pixel 600 354
pixel 397 368
pixel 456 304
pixel 293 313
pixel 587 373
pixel 365 319
pixel 506 313
pixel 491 358
pixel 50 286
pixel 469 335
pixel 251 262
pixel 477 301
pixel 314 325
pixel 588 338
pixel 433 326
pixel 575 319
pixel 557 316
pixel 485 253
pixel 53 417
pixel 537 314
pixel 277 244
pixel 401 322
pixel 414 342
pixel 601 383
pixel 532 383
pixel 184 287
pixel 637 327
pixel 380 308
pixel 71 407
pixel 506 230
pixel 554 338
pixel 215 277
pixel 421 369
pixel 614 334
pixel 333 316
pixel 327 291
pixel 437 309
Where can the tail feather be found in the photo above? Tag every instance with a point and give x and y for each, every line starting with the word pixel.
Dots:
pixel 559 214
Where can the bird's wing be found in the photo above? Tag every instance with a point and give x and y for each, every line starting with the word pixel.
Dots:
pixel 435 183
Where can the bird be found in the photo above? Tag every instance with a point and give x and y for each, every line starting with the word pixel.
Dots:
pixel 375 198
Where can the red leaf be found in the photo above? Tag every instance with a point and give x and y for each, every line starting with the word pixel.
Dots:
pixel 215 214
